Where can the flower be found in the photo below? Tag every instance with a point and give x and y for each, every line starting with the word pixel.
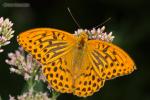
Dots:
pixel 11 97
pixel 28 67
pixel 31 96
pixel 23 65
pixel 6 32
pixel 96 34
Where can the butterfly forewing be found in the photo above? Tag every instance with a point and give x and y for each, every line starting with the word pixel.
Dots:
pixel 46 44
pixel 109 59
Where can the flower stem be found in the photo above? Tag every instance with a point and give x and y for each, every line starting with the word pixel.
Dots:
pixel 55 95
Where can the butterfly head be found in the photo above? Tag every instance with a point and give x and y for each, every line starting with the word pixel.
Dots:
pixel 83 36
pixel 82 39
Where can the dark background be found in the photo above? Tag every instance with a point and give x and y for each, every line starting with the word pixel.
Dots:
pixel 130 24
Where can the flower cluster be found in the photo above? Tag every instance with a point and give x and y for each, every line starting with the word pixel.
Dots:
pixel 28 67
pixel 24 65
pixel 96 34
pixel 31 96
pixel 6 32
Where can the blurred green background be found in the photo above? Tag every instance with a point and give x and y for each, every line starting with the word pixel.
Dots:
pixel 130 24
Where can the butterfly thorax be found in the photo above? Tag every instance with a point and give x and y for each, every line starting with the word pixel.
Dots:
pixel 79 54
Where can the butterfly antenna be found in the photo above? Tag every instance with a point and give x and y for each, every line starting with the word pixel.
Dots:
pixel 103 22
pixel 73 17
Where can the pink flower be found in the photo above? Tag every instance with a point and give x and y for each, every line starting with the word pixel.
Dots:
pixel 6 32
pixel 23 65
pixel 96 34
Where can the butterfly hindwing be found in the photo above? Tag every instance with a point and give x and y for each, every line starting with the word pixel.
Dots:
pixel 58 76
pixel 109 59
pixel 88 83
pixel 46 44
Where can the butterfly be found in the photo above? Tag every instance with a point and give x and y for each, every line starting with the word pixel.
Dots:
pixel 75 64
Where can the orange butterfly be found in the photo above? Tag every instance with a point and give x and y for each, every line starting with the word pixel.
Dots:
pixel 75 64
